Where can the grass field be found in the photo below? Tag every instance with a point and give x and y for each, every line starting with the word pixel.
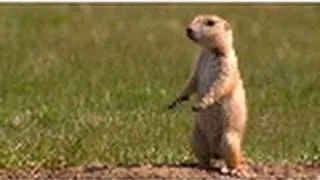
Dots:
pixel 82 84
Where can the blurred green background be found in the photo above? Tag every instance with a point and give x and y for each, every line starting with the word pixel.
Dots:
pixel 83 83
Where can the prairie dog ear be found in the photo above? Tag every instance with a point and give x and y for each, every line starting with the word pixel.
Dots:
pixel 227 26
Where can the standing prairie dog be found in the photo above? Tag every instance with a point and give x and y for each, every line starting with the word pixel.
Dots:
pixel 220 110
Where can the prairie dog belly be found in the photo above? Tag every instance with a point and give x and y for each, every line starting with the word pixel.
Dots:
pixel 206 73
pixel 211 121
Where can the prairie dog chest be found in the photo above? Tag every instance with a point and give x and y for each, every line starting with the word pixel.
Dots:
pixel 208 67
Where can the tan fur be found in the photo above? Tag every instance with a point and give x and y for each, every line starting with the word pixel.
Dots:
pixel 221 111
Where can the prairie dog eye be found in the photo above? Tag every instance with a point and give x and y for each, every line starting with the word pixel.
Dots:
pixel 210 23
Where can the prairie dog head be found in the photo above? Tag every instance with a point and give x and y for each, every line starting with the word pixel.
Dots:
pixel 210 32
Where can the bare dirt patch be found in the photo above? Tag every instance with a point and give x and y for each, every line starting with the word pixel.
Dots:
pixel 185 171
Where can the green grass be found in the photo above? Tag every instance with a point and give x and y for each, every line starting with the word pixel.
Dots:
pixel 83 84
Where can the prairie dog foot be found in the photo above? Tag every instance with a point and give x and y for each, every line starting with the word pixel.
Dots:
pixel 240 172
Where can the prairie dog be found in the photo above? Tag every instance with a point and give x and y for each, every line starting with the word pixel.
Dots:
pixel 220 108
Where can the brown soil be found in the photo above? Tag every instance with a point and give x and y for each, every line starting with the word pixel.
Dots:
pixel 262 171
